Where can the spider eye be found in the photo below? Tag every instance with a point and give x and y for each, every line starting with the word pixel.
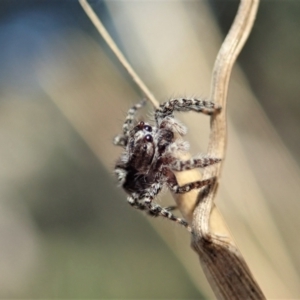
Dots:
pixel 148 138
pixel 141 125
pixel 148 128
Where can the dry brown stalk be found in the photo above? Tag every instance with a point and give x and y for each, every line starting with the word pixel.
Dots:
pixel 222 262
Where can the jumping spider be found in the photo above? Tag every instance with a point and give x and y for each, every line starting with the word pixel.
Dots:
pixel 149 159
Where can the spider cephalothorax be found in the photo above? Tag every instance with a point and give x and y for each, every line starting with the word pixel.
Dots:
pixel 151 155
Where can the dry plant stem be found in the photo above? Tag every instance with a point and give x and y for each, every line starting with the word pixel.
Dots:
pixel 223 264
pixel 225 60
pixel 103 32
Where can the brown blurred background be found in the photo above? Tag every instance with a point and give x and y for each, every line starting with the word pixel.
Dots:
pixel 66 230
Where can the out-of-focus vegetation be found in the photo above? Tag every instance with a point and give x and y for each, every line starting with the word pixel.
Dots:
pixel 65 228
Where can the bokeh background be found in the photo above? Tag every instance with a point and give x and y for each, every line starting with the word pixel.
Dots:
pixel 65 228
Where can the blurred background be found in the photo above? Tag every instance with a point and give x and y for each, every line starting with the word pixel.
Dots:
pixel 66 230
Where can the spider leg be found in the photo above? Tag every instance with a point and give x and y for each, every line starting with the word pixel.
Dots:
pixel 122 139
pixel 185 104
pixel 171 208
pixel 133 201
pixel 195 162
pixel 169 122
pixel 156 210
pixel 144 202
pixel 144 199
pixel 130 116
pixel 175 188
pixel 191 186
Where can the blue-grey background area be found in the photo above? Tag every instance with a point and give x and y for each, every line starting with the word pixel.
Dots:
pixel 65 229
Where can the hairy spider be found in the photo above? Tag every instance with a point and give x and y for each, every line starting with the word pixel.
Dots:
pixel 150 156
